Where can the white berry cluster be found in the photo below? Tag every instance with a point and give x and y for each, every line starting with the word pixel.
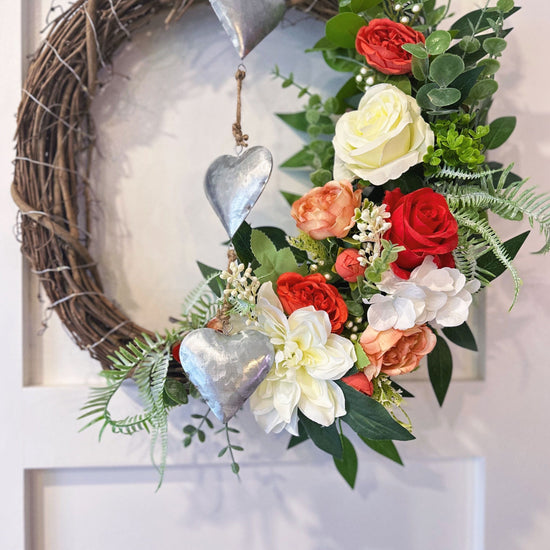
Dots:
pixel 371 222
pixel 242 285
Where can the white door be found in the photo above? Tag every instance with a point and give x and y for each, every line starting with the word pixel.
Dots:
pixel 475 478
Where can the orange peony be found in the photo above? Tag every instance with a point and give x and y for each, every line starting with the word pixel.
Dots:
pixel 327 211
pixel 395 351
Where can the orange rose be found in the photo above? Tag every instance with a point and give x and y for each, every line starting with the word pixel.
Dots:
pixel 359 382
pixel 395 351
pixel 327 211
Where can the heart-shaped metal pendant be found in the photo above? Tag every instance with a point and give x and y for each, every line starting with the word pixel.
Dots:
pixel 248 22
pixel 226 369
pixel 234 184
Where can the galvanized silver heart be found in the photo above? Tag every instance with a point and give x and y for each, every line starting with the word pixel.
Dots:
pixel 234 184
pixel 248 22
pixel 226 369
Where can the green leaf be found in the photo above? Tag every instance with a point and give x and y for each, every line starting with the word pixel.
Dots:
pixel 339 60
pixel 489 66
pixel 235 468
pixel 326 438
pixel 494 46
pixel 321 45
pixel 445 68
pixel 438 42
pixel 422 96
pixel 349 89
pixel 440 369
pixel 500 130
pixel 301 159
pixel 295 120
pixel 241 242
pixel 489 261
pixel 441 97
pixel 420 68
pixel 416 50
pixel 342 29
pixel 320 177
pixel 176 391
pixel 347 465
pixel 370 419
pixel 291 198
pixel 358 6
pixel 478 20
pixel 461 336
pixel 300 438
pixel 216 285
pixel 434 17
pixel 469 44
pixel 466 81
pixel 386 448
pixel 402 82
pixel 483 89
pixel 362 359
pixel 505 5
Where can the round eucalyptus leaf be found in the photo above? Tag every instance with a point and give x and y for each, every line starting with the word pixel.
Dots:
pixel 469 44
pixel 494 46
pixel 483 89
pixel 445 68
pixel 438 42
pixel 416 50
pixel 490 66
pixel 441 97
pixel 422 97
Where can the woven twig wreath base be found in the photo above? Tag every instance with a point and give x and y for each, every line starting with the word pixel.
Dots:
pixel 55 139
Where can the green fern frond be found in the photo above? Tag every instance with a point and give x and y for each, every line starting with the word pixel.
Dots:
pixel 470 248
pixel 476 225
pixel 200 305
pixel 451 172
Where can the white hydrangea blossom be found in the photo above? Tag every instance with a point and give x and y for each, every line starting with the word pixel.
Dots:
pixel 308 357
pixel 441 296
pixel 371 223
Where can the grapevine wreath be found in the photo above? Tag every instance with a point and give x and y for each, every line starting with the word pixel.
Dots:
pixel 393 240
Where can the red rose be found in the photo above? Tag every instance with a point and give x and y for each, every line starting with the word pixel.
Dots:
pixel 423 224
pixel 296 291
pixel 380 42
pixel 347 265
pixel 360 382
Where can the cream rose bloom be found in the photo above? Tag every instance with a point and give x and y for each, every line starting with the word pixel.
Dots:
pixel 382 139
pixel 308 357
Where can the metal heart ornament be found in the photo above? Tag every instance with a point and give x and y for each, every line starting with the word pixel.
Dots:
pixel 226 369
pixel 248 22
pixel 234 184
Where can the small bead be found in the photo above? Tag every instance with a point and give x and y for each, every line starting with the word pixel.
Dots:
pixel 404 20
pixel 358 78
pixel 416 8
pixel 359 319
pixel 353 337
pixel 363 70
pixel 328 276
pixel 314 267
pixel 398 7
pixel 370 81
pixel 349 324
pixel 322 262
pixel 354 329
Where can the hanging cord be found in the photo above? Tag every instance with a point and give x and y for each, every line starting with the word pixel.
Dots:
pixel 240 138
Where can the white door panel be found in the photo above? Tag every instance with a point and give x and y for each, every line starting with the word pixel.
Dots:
pixel 475 478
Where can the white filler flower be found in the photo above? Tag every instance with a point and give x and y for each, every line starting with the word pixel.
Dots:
pixel 382 139
pixel 430 294
pixel 308 357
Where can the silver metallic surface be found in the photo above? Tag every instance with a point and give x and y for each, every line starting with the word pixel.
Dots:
pixel 226 369
pixel 248 22
pixel 234 184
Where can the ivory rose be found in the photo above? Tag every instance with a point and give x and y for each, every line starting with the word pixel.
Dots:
pixel 327 211
pixel 395 351
pixel 382 139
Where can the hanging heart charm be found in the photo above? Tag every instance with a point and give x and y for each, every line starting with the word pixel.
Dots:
pixel 226 369
pixel 248 22
pixel 234 184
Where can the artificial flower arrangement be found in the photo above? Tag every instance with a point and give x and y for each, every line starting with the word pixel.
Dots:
pixel 392 242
